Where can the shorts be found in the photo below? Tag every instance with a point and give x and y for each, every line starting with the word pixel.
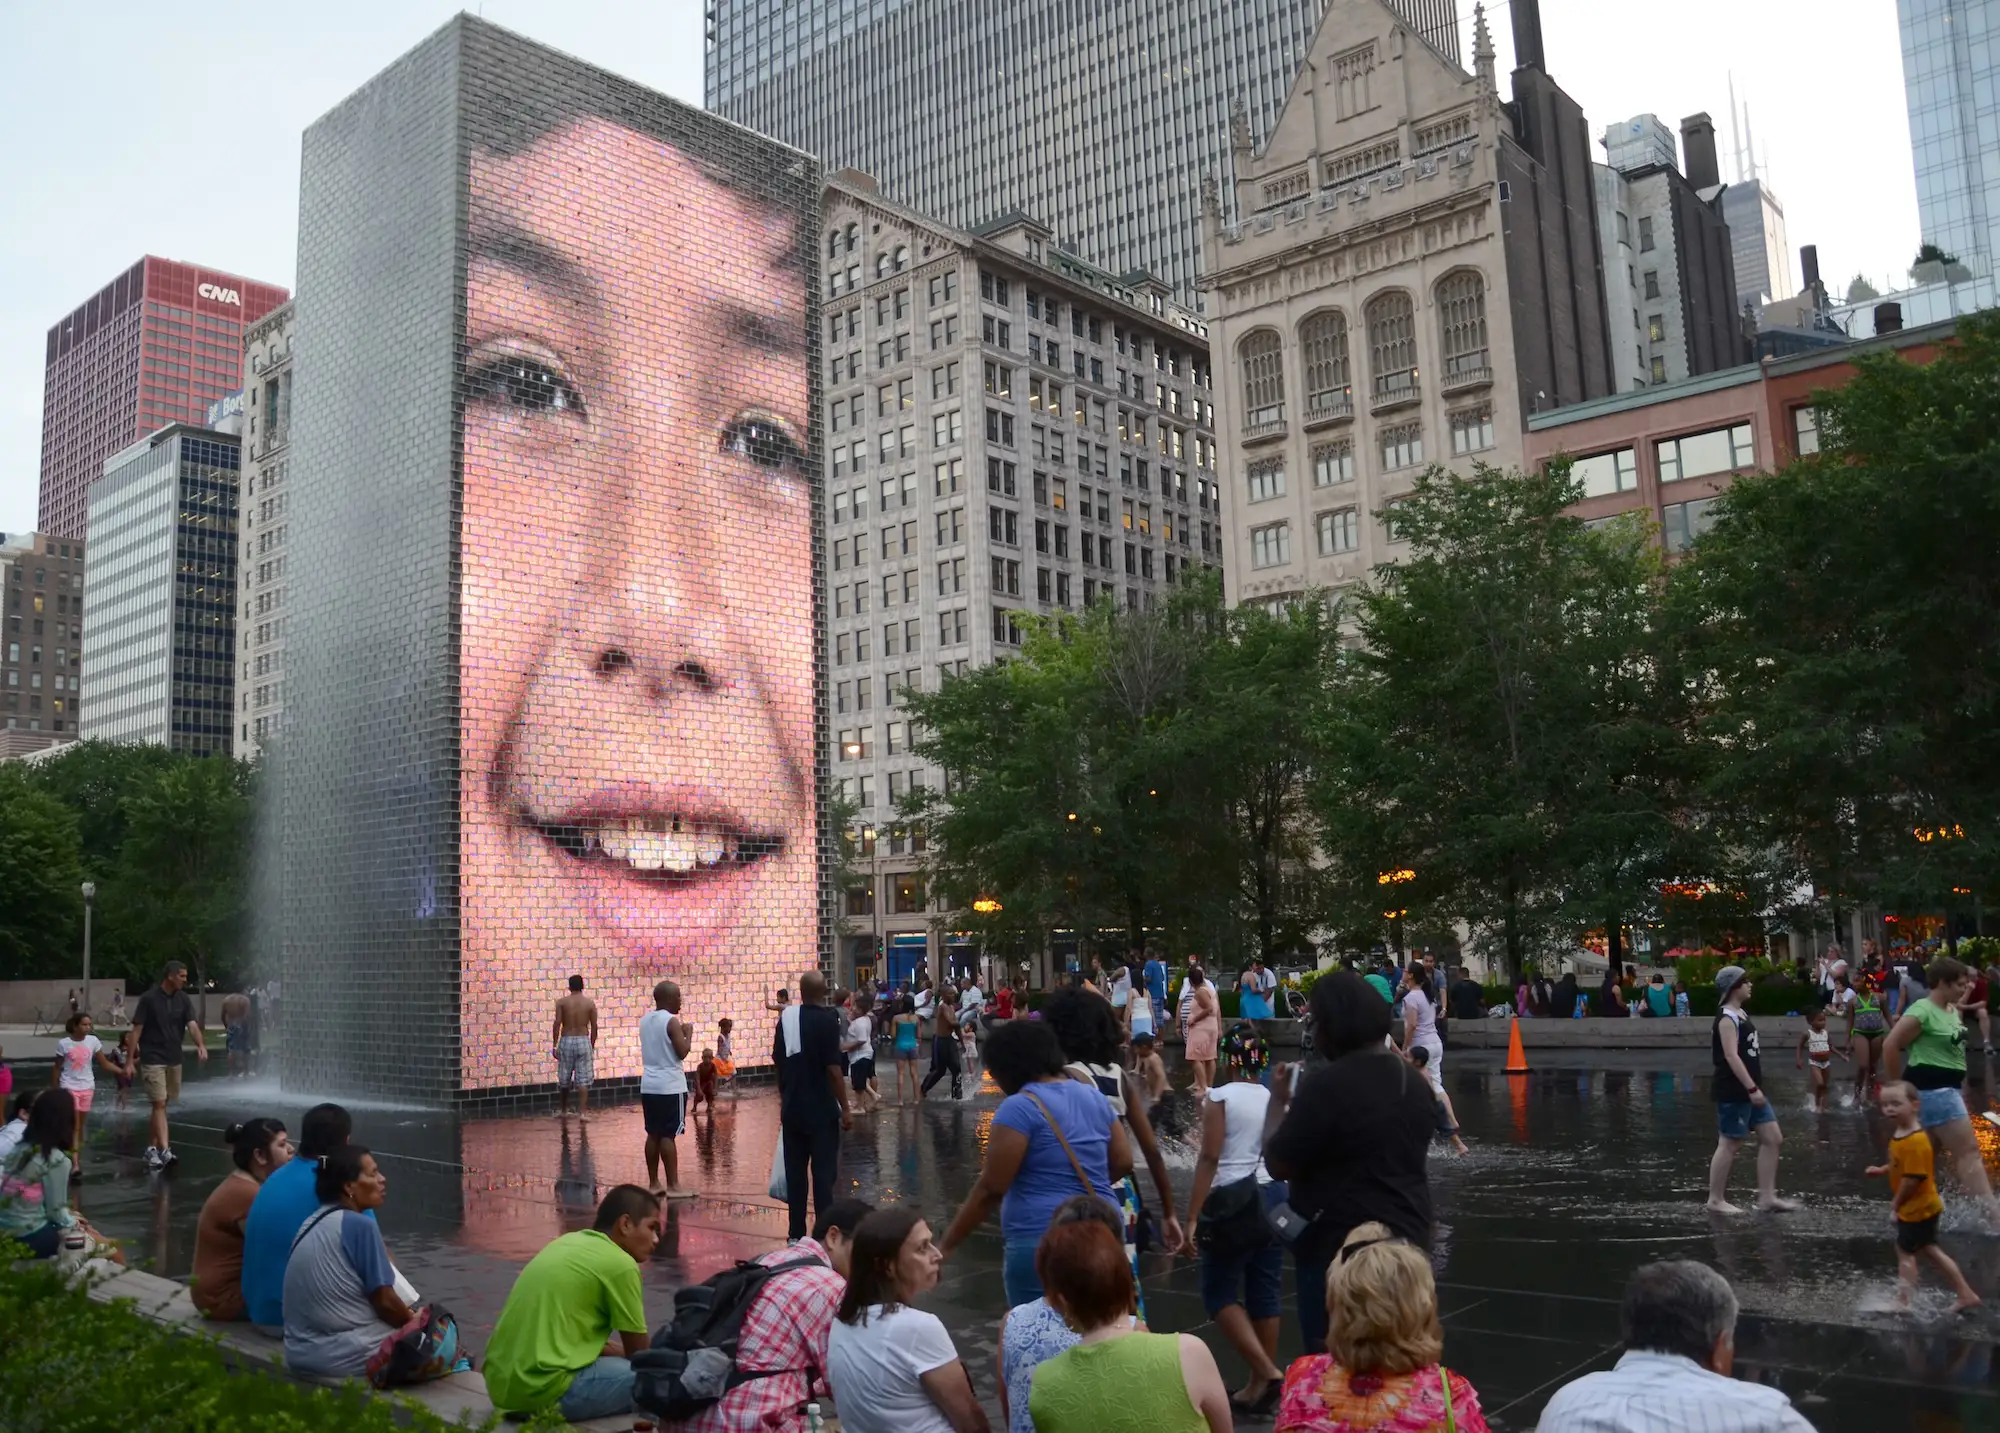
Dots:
pixel 1940 1107
pixel 860 1073
pixel 1914 1235
pixel 906 1053
pixel 666 1115
pixel 83 1098
pixel 236 1038
pixel 1734 1119
pixel 1820 1062
pixel 1254 1278
pixel 573 1062
pixel 162 1083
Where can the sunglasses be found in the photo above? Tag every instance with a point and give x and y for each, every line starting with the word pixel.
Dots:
pixel 1348 1251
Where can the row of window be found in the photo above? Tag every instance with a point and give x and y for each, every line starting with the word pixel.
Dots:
pixel 1338 531
pixel 1690 455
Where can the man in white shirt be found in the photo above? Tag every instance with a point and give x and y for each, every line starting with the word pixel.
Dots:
pixel 664 1039
pixel 1679 1322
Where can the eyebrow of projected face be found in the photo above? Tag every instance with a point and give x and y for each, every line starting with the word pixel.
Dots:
pixel 545 266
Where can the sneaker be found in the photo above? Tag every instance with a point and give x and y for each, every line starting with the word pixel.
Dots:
pixel 153 1160
pixel 167 1157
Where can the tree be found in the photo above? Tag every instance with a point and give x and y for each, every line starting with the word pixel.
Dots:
pixel 186 849
pixel 1860 291
pixel 1498 738
pixel 41 879
pixel 1842 622
pixel 1933 265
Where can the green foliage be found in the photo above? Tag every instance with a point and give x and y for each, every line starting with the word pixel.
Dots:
pixel 41 874
pixel 78 1366
pixel 1860 291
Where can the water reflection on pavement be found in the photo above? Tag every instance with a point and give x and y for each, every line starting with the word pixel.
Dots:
pixel 1576 1177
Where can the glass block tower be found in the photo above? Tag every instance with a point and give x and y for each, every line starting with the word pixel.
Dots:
pixel 1099 119
pixel 1953 90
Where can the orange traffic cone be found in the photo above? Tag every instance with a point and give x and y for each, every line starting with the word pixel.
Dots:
pixel 1517 1058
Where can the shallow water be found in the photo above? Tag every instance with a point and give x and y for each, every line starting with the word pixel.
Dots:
pixel 1577 1175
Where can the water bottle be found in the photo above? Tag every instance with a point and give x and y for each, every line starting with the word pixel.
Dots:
pixel 813 1423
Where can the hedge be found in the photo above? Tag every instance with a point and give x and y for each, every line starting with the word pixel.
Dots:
pixel 74 1365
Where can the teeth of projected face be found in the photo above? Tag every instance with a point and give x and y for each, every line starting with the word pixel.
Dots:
pixel 663 844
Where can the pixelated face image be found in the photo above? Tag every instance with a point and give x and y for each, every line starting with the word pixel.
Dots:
pixel 637 648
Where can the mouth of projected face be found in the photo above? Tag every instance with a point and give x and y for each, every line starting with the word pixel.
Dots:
pixel 663 849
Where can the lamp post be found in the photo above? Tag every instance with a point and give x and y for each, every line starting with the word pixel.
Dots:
pixel 89 895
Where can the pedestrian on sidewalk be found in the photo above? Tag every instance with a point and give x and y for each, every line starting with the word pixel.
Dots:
pixel 946 1058
pixel 162 1017
pixel 1914 1199
pixel 664 1041
pixel 1741 1105
pixel 812 1099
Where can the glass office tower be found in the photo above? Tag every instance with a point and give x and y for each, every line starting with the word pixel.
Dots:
pixel 1099 119
pixel 1951 84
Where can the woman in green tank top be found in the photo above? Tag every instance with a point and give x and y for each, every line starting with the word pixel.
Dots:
pixel 1927 1048
pixel 1117 1380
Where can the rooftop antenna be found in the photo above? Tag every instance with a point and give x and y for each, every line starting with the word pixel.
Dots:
pixel 1735 129
pixel 1749 143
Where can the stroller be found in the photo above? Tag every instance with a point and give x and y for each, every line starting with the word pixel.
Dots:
pixel 1245 1053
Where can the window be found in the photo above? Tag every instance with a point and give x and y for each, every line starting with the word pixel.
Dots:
pixel 1682 523
pixel 943 288
pixel 1271 546
pixel 1267 480
pixel 999 380
pixel 1696 455
pixel 1656 328
pixel 1260 354
pixel 1603 474
pixel 1652 283
pixel 995 331
pixel 1805 430
pixel 1645 235
pixel 1471 430
pixel 1006 577
pixel 999 427
pixel 1624 227
pixel 1000 477
pixel 1062 589
pixel 951 576
pixel 951 627
pixel 1059 494
pixel 992 287
pixel 1402 446
pixel 1006 632
pixel 1062 540
pixel 946 478
pixel 944 381
pixel 1329 380
pixel 1003 525
pixel 1392 344
pixel 944 331
pixel 1659 369
pixel 1339 531
pixel 909 894
pixel 1333 463
pixel 1392 522
pixel 1461 301
pixel 945 428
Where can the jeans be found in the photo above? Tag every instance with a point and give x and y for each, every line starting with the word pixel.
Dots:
pixel 603 1390
pixel 1311 1266
pixel 1253 1278
pixel 1017 1272
pixel 817 1145
pixel 944 1059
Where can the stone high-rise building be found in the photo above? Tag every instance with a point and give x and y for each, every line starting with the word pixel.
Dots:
pixel 41 648
pixel 261 580
pixel 1404 270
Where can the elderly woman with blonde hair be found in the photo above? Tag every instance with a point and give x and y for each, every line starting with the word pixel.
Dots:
pixel 1380 1373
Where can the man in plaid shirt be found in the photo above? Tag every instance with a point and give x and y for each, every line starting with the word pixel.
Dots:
pixel 786 1328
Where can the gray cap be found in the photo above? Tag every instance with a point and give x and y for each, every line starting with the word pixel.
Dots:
pixel 1727 979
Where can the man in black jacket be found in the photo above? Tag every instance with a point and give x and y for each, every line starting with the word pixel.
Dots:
pixel 812 1098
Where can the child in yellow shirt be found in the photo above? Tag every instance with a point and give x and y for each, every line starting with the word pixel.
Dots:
pixel 1912 1171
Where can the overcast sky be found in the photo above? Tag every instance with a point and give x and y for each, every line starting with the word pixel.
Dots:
pixel 134 128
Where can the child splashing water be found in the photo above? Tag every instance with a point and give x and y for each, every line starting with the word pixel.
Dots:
pixel 1914 1198
pixel 1816 1050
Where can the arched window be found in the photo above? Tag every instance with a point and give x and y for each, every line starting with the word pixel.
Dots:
pixel 882 265
pixel 853 237
pixel 1392 344
pixel 902 259
pixel 1329 376
pixel 833 243
pixel 1261 356
pixel 1461 303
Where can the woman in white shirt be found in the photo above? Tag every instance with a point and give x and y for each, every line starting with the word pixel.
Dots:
pixel 858 1044
pixel 893 1368
pixel 1420 1022
pixel 1242 1265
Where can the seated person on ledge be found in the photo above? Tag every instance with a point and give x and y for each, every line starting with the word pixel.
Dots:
pixel 554 1345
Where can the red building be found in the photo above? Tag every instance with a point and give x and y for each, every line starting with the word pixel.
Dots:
pixel 154 346
pixel 1669 450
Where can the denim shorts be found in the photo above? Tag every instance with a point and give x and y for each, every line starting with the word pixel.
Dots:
pixel 1254 1278
pixel 1940 1107
pixel 1734 1119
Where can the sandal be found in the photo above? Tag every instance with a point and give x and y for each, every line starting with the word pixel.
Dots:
pixel 1264 1405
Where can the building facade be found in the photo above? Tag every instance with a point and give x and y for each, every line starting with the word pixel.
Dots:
pixel 154 346
pixel 1669 451
pixel 1761 253
pixel 1415 270
pixel 41 577
pixel 159 650
pixel 1953 90
pixel 1668 254
pixel 1010 431
pixel 261 575
pixel 1099 119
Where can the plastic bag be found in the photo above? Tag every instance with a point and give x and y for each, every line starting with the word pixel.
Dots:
pixel 778 1188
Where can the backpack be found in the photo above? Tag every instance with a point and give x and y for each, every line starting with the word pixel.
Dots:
pixel 691 1362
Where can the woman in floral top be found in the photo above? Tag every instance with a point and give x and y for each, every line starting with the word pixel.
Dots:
pixel 1381 1374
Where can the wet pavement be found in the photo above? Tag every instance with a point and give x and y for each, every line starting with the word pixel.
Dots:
pixel 1577 1176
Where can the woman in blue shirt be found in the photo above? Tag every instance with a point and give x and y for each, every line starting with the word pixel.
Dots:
pixel 1053 1138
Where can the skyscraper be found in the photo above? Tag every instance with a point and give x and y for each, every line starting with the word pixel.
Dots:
pixel 1953 91
pixel 154 346
pixel 1100 119
pixel 41 588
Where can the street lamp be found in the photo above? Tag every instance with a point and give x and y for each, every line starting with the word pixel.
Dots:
pixel 89 895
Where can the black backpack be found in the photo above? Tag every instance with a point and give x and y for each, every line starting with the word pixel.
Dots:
pixel 691 1362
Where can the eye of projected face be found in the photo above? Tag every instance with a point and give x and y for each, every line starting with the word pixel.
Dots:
pixel 766 442
pixel 521 380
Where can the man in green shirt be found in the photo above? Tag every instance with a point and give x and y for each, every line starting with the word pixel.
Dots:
pixel 553 1345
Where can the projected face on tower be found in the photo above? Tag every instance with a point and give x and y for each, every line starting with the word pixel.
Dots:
pixel 637 646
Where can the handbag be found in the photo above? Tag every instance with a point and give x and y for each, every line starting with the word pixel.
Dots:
pixel 423 1349
pixel 1056 1129
pixel 1231 1220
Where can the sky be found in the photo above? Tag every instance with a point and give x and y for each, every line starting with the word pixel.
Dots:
pixel 138 129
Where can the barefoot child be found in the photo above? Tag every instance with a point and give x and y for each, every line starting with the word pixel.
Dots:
pixel 1912 1171
pixel 704 1083
pixel 1447 1117
pixel 1816 1049
pixel 1151 1069
pixel 725 1055
pixel 78 1054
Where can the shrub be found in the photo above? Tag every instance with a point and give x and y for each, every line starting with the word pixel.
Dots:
pixel 78 1366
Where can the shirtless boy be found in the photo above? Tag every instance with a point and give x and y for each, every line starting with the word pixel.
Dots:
pixel 575 1040
pixel 236 1032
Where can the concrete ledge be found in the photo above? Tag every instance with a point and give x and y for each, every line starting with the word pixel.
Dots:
pixel 459 1398
pixel 1779 1033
